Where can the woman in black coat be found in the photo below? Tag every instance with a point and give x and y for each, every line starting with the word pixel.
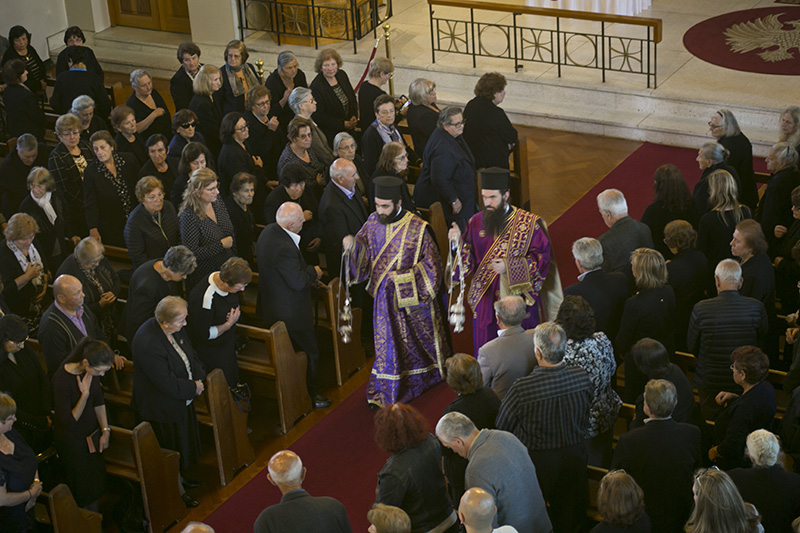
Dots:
pixel 47 210
pixel 758 276
pixel 280 83
pixel 240 203
pixel 715 230
pixel 448 170
pixel 787 270
pixel 108 185
pixel 67 163
pixel 488 131
pixel 152 227
pixel 23 377
pixel 422 113
pixel 724 127
pixel 672 201
pixel 207 105
pixel 337 108
pixel 22 106
pixel 150 109
pixel 265 140
pixel 20 48
pixel 688 274
pixel 235 156
pixel 23 269
pixel 167 377
pixel 744 413
pixel 648 313
pixel 123 120
pixel 711 156
pixel 238 76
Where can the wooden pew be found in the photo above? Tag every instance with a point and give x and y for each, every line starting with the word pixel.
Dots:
pixel 269 356
pixel 67 517
pixel 348 358
pixel 434 216
pixel 137 456
pixel 234 450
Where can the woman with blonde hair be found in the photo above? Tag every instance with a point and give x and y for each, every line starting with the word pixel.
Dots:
pixel 718 506
pixel 207 105
pixel 648 313
pixel 388 519
pixel 423 113
pixel 24 270
pixel 774 491
pixel 47 209
pixel 620 501
pixel 380 70
pixel 206 227
pixel 716 227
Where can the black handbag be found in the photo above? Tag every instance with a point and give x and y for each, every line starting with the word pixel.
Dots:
pixel 241 395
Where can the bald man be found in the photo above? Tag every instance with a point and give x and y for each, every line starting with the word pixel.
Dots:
pixel 476 511
pixel 284 288
pixel 66 322
pixel 298 510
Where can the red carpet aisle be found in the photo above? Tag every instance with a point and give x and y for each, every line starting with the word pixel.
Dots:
pixel 634 177
pixel 342 462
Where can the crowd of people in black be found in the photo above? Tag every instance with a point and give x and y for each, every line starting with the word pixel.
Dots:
pixel 703 272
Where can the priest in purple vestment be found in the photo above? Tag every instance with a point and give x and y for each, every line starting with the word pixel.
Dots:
pixel 509 253
pixel 395 251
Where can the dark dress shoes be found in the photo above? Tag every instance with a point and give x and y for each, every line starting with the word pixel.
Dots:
pixel 188 501
pixel 189 483
pixel 321 402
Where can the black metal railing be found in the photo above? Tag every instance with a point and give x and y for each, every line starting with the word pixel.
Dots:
pixel 606 50
pixel 337 20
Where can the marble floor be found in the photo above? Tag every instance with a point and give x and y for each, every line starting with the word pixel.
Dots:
pixel 676 111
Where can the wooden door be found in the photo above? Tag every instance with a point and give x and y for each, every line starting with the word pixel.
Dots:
pixel 165 15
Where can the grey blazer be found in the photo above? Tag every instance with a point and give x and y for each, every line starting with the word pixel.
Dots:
pixel 506 359
pixel 623 237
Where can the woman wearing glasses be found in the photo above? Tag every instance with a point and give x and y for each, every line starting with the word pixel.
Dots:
pixel 235 155
pixel 66 163
pixel 744 413
pixel 299 151
pixel 304 105
pixel 152 226
pixel 265 140
pixel 184 127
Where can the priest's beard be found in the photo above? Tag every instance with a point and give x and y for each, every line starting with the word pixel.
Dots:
pixel 494 219
pixel 386 219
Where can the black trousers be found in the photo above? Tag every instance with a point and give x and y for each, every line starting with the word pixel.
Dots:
pixel 305 340
pixel 562 478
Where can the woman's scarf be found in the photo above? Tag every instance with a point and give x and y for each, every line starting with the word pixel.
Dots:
pixel 33 257
pixel 118 182
pixel 241 79
pixel 44 203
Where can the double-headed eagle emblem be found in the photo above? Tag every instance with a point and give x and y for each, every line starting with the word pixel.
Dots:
pixel 767 32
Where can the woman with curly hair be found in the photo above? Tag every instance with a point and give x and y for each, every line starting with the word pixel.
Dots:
pixel 620 502
pixel 718 506
pixel 591 350
pixel 672 201
pixel 412 477
pixel 487 129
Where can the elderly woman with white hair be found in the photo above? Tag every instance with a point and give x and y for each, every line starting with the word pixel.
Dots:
pixel 710 157
pixel 725 129
pixel 774 211
pixel 774 491
pixel 149 108
pixel 47 209
pixel 344 146
pixel 83 107
pixel 303 103
pixel 101 284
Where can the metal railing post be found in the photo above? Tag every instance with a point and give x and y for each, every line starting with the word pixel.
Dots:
pixel 433 46
pixel 386 35
pixel 603 49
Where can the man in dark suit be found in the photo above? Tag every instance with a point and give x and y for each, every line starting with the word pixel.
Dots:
pixel 606 292
pixel 624 234
pixel 15 168
pixel 180 85
pixel 662 457
pixel 78 81
pixel 284 288
pixel 511 355
pixel 341 209
pixel 298 510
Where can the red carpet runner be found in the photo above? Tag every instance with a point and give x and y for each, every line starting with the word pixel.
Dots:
pixel 342 462
pixel 339 452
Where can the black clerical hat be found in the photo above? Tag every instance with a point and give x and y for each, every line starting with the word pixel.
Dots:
pixel 388 188
pixel 494 178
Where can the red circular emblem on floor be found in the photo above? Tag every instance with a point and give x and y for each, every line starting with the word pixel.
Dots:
pixel 764 40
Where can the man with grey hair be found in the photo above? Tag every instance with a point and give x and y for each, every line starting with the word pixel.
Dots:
pixel 14 170
pixel 510 356
pixel 500 465
pixel 774 210
pixel 341 209
pixel 606 292
pixel 477 510
pixel 298 510
pixel 718 326
pixel 661 456
pixel 284 287
pixel 549 412
pixel 624 234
